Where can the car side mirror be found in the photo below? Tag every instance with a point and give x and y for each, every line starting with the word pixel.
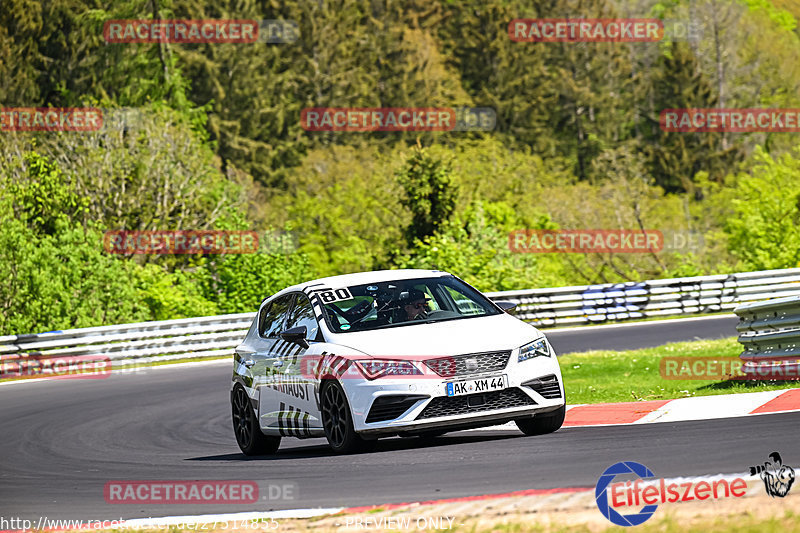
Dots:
pixel 508 307
pixel 296 335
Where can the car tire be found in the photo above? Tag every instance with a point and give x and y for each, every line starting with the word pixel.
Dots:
pixel 542 424
pixel 245 426
pixel 337 420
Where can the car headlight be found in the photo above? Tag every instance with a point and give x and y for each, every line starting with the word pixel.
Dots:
pixel 376 368
pixel 537 348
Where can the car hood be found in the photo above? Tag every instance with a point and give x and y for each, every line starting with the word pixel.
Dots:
pixel 451 337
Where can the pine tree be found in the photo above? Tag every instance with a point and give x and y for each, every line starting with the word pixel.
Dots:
pixel 676 157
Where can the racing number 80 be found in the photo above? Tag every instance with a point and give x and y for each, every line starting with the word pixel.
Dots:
pixel 334 295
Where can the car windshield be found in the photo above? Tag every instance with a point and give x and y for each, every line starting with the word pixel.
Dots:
pixel 400 303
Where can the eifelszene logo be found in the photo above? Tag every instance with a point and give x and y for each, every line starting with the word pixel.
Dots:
pixel 649 491
pixel 777 477
pixel 601 496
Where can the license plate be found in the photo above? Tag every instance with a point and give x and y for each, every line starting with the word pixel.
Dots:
pixel 472 386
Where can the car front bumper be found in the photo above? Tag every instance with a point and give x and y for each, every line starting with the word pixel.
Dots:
pixel 421 404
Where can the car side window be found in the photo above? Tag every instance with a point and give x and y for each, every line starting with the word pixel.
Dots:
pixel 303 315
pixel 273 321
pixel 263 317
pixel 464 304
pixel 432 304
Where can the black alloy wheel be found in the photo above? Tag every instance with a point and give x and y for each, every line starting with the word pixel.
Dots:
pixel 337 420
pixel 245 426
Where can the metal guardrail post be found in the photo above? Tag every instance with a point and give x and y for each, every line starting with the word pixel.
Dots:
pixel 769 331
pixel 593 304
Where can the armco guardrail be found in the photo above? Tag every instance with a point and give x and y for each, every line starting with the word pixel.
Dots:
pixel 587 304
pixel 142 342
pixel 770 333
pixel 215 336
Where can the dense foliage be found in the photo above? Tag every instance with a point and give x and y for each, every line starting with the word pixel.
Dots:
pixel 211 139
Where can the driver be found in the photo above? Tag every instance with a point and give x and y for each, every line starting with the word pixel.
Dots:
pixel 415 304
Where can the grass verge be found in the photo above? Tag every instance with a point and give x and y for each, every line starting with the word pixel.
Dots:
pixel 610 376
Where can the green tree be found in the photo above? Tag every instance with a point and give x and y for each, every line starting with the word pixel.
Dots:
pixel 239 283
pixel 430 194
pixel 156 173
pixel 764 230
pixel 674 158
pixel 42 197
pixel 54 273
pixel 343 205
pixel 20 32
pixel 476 247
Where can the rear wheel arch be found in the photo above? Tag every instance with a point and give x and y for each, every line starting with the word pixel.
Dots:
pixel 246 426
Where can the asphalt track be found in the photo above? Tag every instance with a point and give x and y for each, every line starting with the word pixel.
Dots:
pixel 635 335
pixel 62 441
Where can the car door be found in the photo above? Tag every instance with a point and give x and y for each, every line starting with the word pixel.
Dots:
pixel 268 364
pixel 293 388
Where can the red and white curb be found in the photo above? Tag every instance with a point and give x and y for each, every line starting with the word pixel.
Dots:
pixel 221 519
pixel 229 518
pixel 557 499
pixel 463 499
pixel 684 409
pixel 680 410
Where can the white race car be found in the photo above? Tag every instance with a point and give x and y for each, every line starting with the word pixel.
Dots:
pixel 395 352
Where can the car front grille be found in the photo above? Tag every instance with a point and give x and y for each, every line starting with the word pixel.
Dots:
pixel 473 363
pixel 475 403
pixel 546 386
pixel 391 407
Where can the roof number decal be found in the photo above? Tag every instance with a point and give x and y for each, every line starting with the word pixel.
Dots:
pixel 334 295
